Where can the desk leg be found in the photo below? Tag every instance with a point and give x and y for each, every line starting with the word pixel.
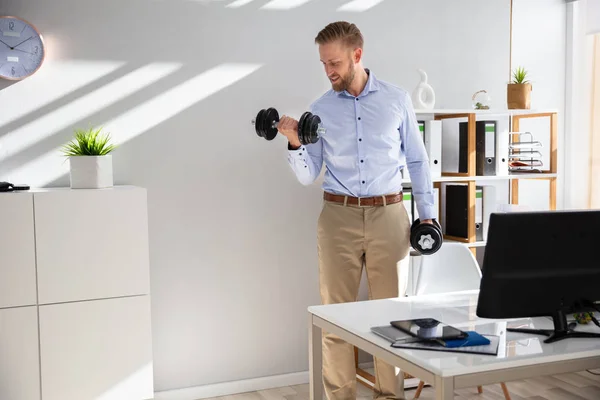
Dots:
pixel 315 359
pixel 444 388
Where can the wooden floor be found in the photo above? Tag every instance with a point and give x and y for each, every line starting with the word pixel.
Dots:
pixel 576 386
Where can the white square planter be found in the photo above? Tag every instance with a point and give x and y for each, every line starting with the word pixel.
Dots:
pixel 91 172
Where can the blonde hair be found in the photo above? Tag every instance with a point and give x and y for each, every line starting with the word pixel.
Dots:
pixel 347 32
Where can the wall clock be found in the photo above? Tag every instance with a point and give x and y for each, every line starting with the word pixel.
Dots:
pixel 21 48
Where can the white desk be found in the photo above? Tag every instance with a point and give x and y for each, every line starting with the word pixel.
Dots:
pixel 519 357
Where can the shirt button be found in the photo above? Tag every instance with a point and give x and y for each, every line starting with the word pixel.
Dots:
pixel 363 181
pixel 362 160
pixel 360 140
pixel 359 118
pixel 357 99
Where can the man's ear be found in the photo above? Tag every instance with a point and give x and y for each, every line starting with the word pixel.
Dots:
pixel 357 56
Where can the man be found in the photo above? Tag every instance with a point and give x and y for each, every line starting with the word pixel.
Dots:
pixel 372 133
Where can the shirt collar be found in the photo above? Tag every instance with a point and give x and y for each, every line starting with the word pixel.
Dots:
pixel 371 86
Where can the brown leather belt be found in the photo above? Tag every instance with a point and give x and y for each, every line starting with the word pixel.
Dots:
pixel 364 201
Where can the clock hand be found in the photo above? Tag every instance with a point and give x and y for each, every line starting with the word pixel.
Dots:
pixel 6 44
pixel 22 42
pixel 23 51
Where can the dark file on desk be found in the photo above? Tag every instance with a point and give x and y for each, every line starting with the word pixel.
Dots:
pixel 473 339
pixel 490 349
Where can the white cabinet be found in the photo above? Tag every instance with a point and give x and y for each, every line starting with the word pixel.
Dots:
pixel 17 251
pixel 97 349
pixel 19 354
pixel 96 238
pixel 80 259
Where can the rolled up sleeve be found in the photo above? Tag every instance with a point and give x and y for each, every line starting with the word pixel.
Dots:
pixel 417 162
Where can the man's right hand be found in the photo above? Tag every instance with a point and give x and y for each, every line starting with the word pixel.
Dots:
pixel 288 127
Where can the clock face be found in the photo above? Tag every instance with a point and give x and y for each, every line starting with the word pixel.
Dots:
pixel 21 48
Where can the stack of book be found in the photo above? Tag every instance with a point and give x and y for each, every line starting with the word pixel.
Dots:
pixel 524 154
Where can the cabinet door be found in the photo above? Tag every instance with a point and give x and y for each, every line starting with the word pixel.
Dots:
pixel 19 355
pixel 99 349
pixel 17 250
pixel 91 244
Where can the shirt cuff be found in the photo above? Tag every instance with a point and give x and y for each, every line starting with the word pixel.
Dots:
pixel 426 211
pixel 298 154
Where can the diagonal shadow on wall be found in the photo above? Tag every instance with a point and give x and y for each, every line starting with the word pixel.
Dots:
pixel 153 152
pixel 142 111
pixel 127 103
pixel 69 97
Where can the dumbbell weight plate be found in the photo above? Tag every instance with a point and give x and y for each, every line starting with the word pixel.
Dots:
pixel 426 238
pixel 271 116
pixel 258 123
pixel 301 124
pixel 313 125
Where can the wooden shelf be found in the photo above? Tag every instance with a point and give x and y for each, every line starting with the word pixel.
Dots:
pixel 519 175
pixel 479 243
pixel 492 112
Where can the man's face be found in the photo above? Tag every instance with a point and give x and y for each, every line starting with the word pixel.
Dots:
pixel 339 63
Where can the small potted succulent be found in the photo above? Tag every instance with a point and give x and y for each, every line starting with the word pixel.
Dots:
pixel 518 93
pixel 90 159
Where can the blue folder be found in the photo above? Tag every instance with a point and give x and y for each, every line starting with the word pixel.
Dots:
pixel 473 339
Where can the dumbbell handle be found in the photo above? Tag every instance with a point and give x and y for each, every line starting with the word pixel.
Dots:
pixel 320 130
pixel 273 125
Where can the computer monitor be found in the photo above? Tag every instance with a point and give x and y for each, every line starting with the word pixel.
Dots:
pixel 541 263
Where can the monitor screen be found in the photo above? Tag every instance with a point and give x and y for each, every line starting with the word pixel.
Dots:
pixel 540 263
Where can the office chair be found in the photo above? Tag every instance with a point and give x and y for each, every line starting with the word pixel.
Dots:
pixel 452 268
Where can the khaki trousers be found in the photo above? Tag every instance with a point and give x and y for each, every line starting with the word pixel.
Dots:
pixel 350 237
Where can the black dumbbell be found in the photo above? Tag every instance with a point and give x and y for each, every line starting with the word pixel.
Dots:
pixel 310 128
pixel 426 238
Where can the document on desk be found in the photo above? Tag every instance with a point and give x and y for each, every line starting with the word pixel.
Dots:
pixel 489 349
pixel 393 334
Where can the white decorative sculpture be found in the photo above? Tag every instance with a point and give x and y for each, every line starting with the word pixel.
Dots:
pixel 423 97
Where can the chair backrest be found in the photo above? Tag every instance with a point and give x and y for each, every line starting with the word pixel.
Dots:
pixel 452 268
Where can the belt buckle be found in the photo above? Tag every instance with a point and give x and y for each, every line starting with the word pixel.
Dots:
pixel 360 205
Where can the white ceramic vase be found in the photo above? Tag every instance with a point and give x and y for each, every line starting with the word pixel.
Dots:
pixel 91 172
pixel 423 97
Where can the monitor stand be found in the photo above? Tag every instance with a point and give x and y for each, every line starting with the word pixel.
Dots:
pixel 561 330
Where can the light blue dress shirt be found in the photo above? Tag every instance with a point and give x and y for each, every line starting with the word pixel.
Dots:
pixel 369 140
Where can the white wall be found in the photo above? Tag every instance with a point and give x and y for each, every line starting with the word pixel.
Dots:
pixel 539 44
pixel 578 107
pixel 232 234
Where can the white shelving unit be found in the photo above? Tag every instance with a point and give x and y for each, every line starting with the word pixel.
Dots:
pixel 75 295
pixel 471 178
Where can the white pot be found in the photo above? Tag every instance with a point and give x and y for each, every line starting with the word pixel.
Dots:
pixel 91 172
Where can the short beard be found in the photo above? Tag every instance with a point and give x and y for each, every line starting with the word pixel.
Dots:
pixel 345 82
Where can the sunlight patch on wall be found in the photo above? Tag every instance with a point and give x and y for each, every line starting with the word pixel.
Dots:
pixel 359 5
pixel 43 127
pixel 138 120
pixel 133 387
pixel 204 1
pixel 238 3
pixel 55 80
pixel 284 4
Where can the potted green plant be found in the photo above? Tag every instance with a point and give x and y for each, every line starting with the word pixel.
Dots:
pixel 90 159
pixel 518 94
